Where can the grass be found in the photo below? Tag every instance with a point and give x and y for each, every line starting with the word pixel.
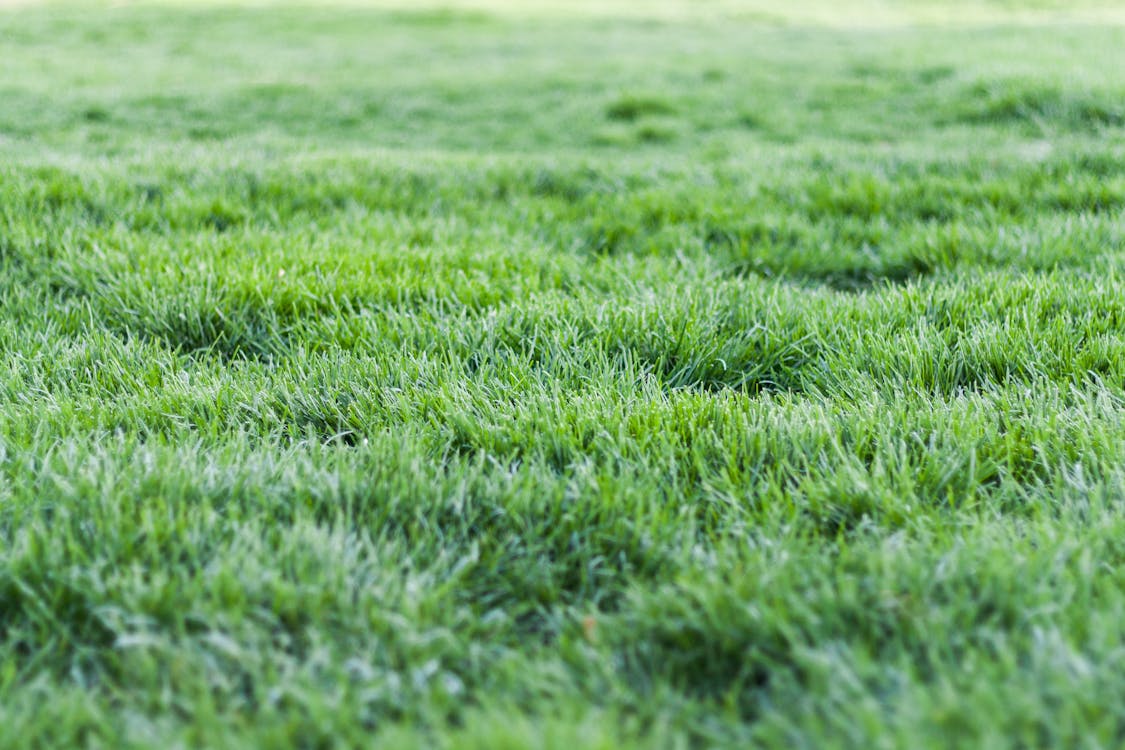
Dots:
pixel 594 375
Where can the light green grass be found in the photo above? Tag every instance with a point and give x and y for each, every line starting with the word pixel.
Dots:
pixel 562 375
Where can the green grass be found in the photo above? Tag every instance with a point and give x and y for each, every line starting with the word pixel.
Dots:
pixel 499 374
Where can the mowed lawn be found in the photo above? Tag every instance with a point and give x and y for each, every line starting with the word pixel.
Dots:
pixel 564 374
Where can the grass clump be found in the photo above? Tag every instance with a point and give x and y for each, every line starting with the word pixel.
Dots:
pixel 633 107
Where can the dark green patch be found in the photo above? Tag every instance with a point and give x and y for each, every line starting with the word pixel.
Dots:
pixel 632 107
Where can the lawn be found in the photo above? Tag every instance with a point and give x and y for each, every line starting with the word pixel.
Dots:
pixel 490 374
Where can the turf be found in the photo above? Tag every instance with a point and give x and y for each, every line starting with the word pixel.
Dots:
pixel 562 375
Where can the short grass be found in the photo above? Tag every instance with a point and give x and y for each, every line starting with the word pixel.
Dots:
pixel 562 375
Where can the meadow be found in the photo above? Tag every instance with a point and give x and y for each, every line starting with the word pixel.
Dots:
pixel 565 374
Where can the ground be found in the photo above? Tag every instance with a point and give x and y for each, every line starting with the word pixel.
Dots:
pixel 593 374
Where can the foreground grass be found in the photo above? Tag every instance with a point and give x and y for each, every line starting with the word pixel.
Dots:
pixel 483 377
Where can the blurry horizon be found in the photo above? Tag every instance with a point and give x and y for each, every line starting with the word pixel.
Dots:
pixel 829 13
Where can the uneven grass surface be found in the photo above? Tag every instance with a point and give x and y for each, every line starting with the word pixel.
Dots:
pixel 594 375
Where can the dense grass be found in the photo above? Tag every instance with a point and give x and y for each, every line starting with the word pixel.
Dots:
pixel 590 375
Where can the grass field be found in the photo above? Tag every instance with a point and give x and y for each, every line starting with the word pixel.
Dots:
pixel 566 375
